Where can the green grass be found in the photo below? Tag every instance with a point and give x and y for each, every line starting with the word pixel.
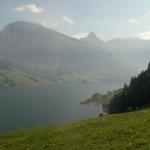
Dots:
pixel 15 77
pixel 128 131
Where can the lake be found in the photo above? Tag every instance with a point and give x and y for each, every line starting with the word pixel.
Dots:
pixel 24 107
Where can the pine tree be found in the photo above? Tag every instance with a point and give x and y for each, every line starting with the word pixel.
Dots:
pixel 149 66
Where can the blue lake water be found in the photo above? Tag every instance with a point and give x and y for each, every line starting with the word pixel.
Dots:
pixel 23 107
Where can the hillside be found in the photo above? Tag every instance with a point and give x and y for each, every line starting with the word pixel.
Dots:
pixel 128 131
pixel 15 77
pixel 11 75
pixel 98 98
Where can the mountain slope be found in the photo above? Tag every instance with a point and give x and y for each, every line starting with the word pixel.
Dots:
pixel 133 51
pixel 128 131
pixel 50 54
pixel 15 77
pixel 10 75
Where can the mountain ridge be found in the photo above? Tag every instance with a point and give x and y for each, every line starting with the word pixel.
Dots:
pixel 50 54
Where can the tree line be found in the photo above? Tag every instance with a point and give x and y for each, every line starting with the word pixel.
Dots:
pixel 134 96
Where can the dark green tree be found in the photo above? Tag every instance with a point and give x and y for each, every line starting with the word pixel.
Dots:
pixel 135 96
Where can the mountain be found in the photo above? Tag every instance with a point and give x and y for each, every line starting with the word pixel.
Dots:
pixel 94 40
pixel 10 76
pixel 132 51
pixel 55 56
pixel 126 131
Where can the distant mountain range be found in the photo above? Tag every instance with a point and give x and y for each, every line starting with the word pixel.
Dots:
pixel 49 54
pixel 135 51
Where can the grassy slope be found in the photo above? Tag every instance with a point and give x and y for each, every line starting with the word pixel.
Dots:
pixel 128 131
pixel 13 77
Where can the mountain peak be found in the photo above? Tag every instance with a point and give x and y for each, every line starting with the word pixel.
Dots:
pixel 92 35
pixel 93 39
pixel 20 25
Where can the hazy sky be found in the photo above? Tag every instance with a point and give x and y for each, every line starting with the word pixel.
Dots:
pixel 107 18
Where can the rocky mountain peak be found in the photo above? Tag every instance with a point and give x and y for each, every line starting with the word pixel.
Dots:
pixel 92 35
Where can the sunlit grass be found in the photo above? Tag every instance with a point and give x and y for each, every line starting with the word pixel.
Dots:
pixel 128 131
